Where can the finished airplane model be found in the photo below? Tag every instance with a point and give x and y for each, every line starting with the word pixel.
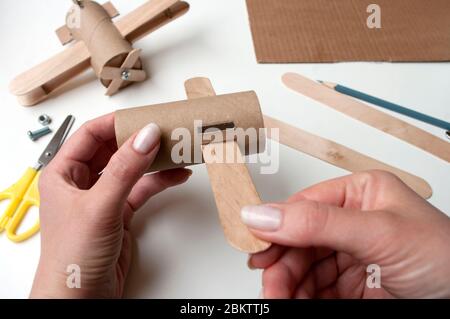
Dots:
pixel 100 43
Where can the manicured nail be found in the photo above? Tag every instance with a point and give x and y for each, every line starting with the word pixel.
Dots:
pixel 263 218
pixel 147 139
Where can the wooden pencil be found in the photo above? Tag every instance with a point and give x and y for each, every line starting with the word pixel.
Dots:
pixel 388 105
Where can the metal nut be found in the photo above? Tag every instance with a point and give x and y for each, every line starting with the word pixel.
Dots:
pixel 44 119
pixel 125 75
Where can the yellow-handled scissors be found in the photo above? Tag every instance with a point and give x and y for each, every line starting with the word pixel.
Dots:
pixel 25 194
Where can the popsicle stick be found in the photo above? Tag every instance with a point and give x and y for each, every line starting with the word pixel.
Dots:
pixel 114 87
pixel 109 73
pixel 149 17
pixel 231 183
pixel 128 65
pixel 111 9
pixel 64 35
pixel 197 88
pixel 34 85
pixel 339 155
pixel 369 115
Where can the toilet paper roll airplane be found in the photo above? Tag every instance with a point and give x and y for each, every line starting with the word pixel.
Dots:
pixel 231 182
pixel 100 43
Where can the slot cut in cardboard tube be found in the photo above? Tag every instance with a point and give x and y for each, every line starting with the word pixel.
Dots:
pixel 238 113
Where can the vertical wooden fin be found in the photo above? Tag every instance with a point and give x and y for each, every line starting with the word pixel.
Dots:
pixel 111 9
pixel 64 35
pixel 231 182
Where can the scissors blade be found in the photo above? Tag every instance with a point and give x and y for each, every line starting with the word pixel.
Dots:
pixel 56 142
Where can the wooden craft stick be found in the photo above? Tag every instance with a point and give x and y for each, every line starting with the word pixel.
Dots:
pixel 369 115
pixel 231 182
pixel 36 84
pixel 339 155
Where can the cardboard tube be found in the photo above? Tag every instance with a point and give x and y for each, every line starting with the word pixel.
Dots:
pixel 240 109
pixel 102 38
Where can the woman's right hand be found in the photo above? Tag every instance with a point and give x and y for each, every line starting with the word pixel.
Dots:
pixel 327 236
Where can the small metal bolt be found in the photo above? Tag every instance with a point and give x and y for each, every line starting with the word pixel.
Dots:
pixel 35 135
pixel 44 119
pixel 125 75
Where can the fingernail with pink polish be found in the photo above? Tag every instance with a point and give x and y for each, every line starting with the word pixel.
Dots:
pixel 263 218
pixel 147 139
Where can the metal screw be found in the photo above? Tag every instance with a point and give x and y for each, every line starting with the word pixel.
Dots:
pixel 125 75
pixel 44 119
pixel 35 135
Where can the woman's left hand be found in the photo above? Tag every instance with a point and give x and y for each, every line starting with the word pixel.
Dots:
pixel 85 217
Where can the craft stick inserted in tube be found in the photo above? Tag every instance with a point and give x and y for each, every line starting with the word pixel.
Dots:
pixel 232 185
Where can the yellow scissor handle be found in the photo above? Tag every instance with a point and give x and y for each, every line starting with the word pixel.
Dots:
pixel 23 194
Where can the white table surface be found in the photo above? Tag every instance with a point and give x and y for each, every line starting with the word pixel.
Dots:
pixel 180 250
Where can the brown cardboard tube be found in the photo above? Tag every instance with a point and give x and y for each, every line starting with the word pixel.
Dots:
pixel 102 38
pixel 242 110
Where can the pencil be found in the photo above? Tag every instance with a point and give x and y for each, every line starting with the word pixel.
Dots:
pixel 388 105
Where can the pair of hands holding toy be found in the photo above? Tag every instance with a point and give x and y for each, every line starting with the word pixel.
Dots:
pixel 324 237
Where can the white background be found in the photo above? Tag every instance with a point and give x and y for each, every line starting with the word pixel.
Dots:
pixel 180 250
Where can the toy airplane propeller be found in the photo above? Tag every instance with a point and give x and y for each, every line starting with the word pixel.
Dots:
pixel 100 43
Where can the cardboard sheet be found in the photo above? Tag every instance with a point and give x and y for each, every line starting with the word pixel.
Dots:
pixel 336 30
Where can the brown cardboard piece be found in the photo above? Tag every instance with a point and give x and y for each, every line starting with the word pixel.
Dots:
pixel 241 109
pixel 336 30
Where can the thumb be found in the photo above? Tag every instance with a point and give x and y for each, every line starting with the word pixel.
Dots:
pixel 128 164
pixel 313 224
